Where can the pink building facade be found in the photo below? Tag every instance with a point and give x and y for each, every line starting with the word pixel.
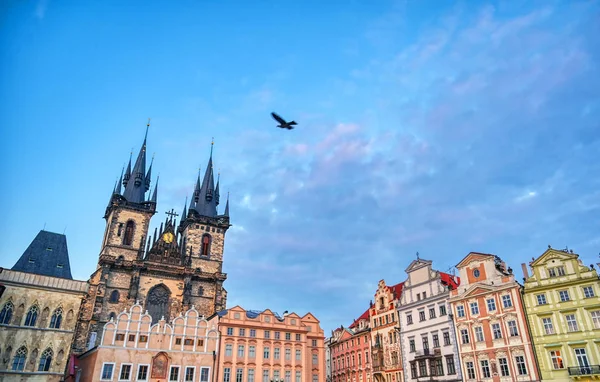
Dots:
pixel 350 352
pixel 132 349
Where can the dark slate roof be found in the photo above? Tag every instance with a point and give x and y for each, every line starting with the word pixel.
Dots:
pixel 46 255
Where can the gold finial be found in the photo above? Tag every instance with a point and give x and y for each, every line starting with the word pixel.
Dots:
pixel 213 141
pixel 148 124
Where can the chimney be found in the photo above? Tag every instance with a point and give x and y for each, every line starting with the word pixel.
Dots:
pixel 525 271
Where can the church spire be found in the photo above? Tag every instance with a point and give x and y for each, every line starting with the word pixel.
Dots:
pixel 217 188
pixel 136 186
pixel 206 205
pixel 153 199
pixel 227 205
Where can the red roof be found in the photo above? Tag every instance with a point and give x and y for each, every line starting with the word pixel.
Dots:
pixel 364 316
pixel 397 289
pixel 452 281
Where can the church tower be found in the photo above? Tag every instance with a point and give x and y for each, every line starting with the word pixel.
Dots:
pixel 169 271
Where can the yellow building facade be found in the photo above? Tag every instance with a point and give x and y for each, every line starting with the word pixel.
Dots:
pixel 562 300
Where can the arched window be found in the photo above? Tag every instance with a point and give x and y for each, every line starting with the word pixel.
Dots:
pixel 205 249
pixel 19 360
pixel 32 315
pixel 56 319
pixel 128 239
pixel 6 313
pixel 46 360
pixel 114 297
pixel 157 302
pixel 200 291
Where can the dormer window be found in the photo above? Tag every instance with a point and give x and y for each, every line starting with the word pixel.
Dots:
pixel 49 249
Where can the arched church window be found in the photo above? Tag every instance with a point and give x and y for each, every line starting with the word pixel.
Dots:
pixel 6 313
pixel 114 297
pixel 32 315
pixel 205 249
pixel 19 360
pixel 45 360
pixel 128 239
pixel 56 318
pixel 158 302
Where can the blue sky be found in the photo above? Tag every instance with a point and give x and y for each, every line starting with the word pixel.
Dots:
pixel 429 126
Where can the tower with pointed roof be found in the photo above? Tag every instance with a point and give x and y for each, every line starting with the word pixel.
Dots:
pixel 170 270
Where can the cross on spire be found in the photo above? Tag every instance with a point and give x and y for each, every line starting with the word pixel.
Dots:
pixel 172 213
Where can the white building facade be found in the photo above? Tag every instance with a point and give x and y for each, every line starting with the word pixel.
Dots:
pixel 427 335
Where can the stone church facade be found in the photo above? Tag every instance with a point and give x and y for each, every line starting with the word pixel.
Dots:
pixel 176 268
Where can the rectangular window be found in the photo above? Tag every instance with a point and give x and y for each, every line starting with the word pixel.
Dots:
pixel 267 334
pixel 277 335
pixel 315 359
pixel 431 313
pixel 571 323
pixel 411 344
pixel 464 335
pixel 125 374
pixel 239 375
pixel 439 367
pixel 588 291
pixel 474 308
pixel 298 355
pixel 460 311
pixel 503 362
pixel 298 337
pixel 266 352
pixel 596 319
pixel 204 374
pixel 189 374
pixel 421 315
pixel 142 373
pixel 436 341
pixel 252 332
pixel 450 365
pixel 485 369
pixel 521 368
pixel 497 331
pixel 251 351
pixel 564 295
pixel 478 334
pixel 491 304
pixel 276 353
pixel 512 328
pixel 200 342
pixel 230 331
pixel 143 338
pixel 548 327
pixel 174 373
pixel 422 368
pixel 507 301
pixel 413 370
pixel 288 354
pixel 250 375
pixel 409 320
pixel 107 371
pixel 557 361
pixel 314 342
pixel 288 336
pixel 188 341
pixel 227 374
pixel 425 342
pixel 442 310
pixel 242 332
pixel 298 376
pixel 265 375
pixel 288 376
pixel 446 336
pixel 228 350
pixel 470 370
pixel 241 351
pixel 541 299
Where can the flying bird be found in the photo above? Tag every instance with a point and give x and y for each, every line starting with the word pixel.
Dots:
pixel 282 123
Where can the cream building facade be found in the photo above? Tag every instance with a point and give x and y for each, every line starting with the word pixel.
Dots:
pixel 38 311
pixel 263 347
pixel 495 343
pixel 133 349
pixel 427 334
pixel 562 298
pixel 385 346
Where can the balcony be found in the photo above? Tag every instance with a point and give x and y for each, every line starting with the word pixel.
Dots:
pixel 378 369
pixel 584 370
pixel 436 352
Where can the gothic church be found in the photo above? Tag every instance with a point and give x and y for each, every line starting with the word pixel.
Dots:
pixel 169 271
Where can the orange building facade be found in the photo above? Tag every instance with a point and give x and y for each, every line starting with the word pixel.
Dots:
pixel 350 352
pixel 132 349
pixel 491 326
pixel 385 344
pixel 264 347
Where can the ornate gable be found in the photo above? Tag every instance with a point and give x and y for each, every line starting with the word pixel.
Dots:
pixel 474 257
pixel 552 254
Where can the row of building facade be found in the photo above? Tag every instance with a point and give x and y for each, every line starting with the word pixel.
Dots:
pixel 482 325
pixel 155 307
